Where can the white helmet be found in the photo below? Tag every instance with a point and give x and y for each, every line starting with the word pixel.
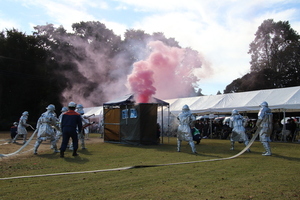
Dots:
pixel 72 104
pixel 79 106
pixel 51 107
pixel 25 113
pixel 64 109
pixel 15 123
pixel 185 108
pixel 264 104
pixel 234 112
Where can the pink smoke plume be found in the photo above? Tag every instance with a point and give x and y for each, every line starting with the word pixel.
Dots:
pixel 141 82
pixel 168 72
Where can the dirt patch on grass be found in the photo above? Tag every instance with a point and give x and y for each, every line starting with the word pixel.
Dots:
pixel 6 147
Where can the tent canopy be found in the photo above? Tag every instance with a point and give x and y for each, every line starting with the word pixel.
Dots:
pixel 97 111
pixel 282 99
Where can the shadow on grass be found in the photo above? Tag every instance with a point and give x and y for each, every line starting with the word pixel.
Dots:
pixel 207 149
pixel 68 157
pixel 286 157
pixel 76 159
pixel 85 152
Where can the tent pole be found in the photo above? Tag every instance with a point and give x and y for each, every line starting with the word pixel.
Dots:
pixel 162 124
pixel 283 132
pixel 168 124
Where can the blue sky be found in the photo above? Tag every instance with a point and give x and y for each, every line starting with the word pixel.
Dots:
pixel 220 30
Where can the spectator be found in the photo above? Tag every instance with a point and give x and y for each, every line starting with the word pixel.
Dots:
pixel 196 135
pixel 199 125
pixel 291 126
pixel 205 129
pixel 14 130
pixel 276 130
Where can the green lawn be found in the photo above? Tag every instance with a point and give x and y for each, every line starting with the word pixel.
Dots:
pixel 249 176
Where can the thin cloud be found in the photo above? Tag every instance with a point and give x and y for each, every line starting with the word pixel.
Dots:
pixel 221 30
pixel 8 24
pixel 119 29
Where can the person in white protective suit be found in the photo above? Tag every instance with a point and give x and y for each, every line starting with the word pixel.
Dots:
pixel 85 124
pixel 237 123
pixel 22 127
pixel 46 125
pixel 58 130
pixel 264 127
pixel 85 120
pixel 186 120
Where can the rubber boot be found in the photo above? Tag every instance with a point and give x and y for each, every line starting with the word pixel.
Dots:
pixel 81 139
pixel 54 146
pixel 75 153
pixel 35 151
pixel 178 145
pixel 232 145
pixel 267 148
pixel 71 146
pixel 246 143
pixel 83 145
pixel 36 146
pixel 55 149
pixel 192 144
pixel 24 138
pixel 14 140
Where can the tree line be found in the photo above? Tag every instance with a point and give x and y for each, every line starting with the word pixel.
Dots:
pixel 42 68
pixel 47 67
pixel 275 59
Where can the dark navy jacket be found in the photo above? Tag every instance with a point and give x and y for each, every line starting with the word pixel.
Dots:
pixel 71 121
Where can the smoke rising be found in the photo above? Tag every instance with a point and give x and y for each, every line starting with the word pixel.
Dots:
pixel 141 82
pixel 101 67
pixel 168 72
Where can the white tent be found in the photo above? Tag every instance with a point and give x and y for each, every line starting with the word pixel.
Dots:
pixel 97 111
pixel 283 99
pixel 95 114
pixel 177 104
pixel 279 100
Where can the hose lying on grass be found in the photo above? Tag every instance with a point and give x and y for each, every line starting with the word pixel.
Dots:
pixel 136 166
pixel 14 153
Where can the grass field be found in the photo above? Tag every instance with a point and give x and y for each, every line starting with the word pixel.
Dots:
pixel 249 176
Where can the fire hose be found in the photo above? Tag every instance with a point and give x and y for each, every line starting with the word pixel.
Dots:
pixel 138 166
pixel 27 142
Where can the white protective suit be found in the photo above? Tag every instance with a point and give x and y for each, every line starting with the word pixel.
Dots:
pixel 46 128
pixel 58 131
pixel 85 121
pixel 22 127
pixel 264 127
pixel 186 119
pixel 238 134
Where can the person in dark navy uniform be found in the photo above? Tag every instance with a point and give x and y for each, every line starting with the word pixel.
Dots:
pixel 70 123
pixel 14 130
